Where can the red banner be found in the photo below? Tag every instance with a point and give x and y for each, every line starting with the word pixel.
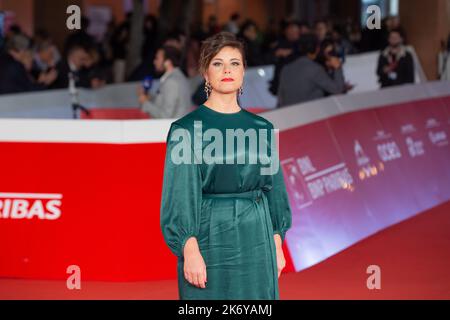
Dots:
pixel 96 205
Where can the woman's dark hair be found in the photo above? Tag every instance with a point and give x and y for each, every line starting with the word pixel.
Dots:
pixel 172 54
pixel 321 56
pixel 212 45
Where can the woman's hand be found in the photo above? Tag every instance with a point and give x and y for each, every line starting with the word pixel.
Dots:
pixel 281 262
pixel 194 265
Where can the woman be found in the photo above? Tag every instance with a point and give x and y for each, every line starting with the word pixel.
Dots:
pixel 330 60
pixel 224 218
pixel 327 53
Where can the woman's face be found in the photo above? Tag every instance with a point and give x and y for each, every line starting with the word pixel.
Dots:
pixel 225 72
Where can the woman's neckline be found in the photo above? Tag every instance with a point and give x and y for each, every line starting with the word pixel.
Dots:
pixel 222 113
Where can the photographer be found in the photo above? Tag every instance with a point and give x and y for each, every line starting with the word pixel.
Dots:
pixel 16 64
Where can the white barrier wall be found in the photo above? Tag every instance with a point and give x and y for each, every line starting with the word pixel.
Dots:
pixel 155 130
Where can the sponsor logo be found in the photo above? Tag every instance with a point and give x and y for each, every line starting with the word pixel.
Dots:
pixel 438 138
pixel 30 206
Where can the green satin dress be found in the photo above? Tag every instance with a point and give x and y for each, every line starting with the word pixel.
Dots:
pixel 231 208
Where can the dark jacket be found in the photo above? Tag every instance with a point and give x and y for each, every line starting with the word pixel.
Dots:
pixel 304 80
pixel 253 53
pixel 82 78
pixel 282 61
pixel 14 78
pixel 403 68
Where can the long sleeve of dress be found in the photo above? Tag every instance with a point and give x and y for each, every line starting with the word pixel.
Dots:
pixel 278 200
pixel 182 192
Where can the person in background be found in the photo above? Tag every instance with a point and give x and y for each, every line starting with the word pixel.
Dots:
pixel 106 42
pixel 177 39
pixel 212 26
pixel 326 52
pixel 391 23
pixel 233 24
pixel 343 46
pixel 285 52
pixel 304 27
pixel 173 99
pixel 253 50
pixel 150 30
pixel 270 39
pixel 304 79
pixel 322 30
pixel 355 36
pixel 193 53
pixel 79 55
pixel 326 58
pixel 395 64
pixel 81 59
pixel 443 62
pixel 45 55
pixel 92 74
pixel 148 51
pixel 119 44
pixel 13 30
pixel 16 64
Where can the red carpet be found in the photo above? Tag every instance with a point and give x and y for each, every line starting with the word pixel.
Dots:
pixel 414 257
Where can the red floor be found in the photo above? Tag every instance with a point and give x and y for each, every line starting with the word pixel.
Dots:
pixel 414 257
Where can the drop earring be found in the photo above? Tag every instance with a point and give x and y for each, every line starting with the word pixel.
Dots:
pixel 208 89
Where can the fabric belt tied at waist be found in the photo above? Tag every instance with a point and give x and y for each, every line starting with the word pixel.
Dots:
pixel 255 194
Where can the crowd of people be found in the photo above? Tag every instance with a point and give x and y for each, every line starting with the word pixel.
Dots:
pixel 308 59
